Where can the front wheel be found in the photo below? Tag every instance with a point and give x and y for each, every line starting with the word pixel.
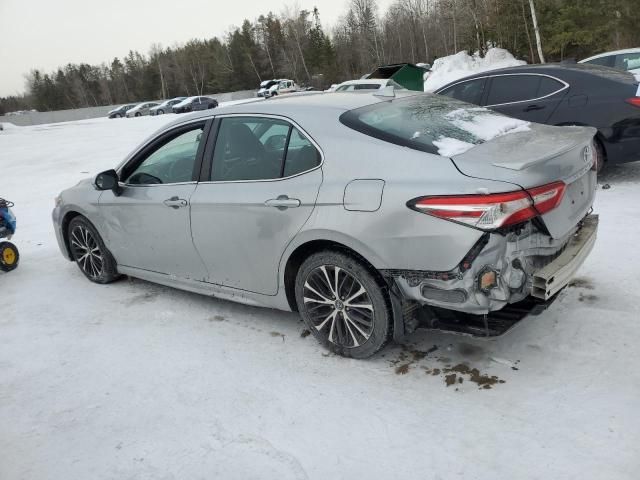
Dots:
pixel 138 114
pixel 9 256
pixel 90 253
pixel 343 305
pixel 160 112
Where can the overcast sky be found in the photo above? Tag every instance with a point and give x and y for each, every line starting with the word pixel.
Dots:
pixel 45 34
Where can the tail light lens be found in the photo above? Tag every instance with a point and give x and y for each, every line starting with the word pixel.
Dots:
pixel 492 211
pixel 635 101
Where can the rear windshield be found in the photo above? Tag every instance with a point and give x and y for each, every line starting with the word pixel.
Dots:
pixel 431 123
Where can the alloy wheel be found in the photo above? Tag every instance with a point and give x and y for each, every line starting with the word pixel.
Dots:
pixel 86 252
pixel 339 306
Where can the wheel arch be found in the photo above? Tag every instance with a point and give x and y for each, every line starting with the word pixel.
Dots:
pixel 330 241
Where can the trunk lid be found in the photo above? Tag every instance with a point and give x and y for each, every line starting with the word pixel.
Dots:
pixel 541 155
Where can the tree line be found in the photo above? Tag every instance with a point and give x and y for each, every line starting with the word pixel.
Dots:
pixel 295 44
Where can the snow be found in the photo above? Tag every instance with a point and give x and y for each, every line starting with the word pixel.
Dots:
pixel 460 65
pixel 480 122
pixel 448 147
pixel 134 380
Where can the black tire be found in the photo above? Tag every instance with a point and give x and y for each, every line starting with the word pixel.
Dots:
pixel 138 114
pixel 349 324
pixel 117 115
pixel 160 112
pixel 90 253
pixel 9 256
pixel 600 156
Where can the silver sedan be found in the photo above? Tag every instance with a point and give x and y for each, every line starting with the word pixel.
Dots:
pixel 352 209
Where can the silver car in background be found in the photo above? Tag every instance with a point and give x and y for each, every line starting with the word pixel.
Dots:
pixel 166 106
pixel 352 209
pixel 140 109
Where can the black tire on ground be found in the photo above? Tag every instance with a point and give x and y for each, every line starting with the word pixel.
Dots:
pixel 117 115
pixel 90 253
pixel 343 305
pixel 160 112
pixel 600 156
pixel 138 114
pixel 9 256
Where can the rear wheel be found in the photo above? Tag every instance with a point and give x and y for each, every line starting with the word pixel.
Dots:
pixel 600 156
pixel 90 253
pixel 9 256
pixel 342 304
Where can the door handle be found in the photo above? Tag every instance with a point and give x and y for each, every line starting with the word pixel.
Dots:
pixel 283 202
pixel 175 202
pixel 531 108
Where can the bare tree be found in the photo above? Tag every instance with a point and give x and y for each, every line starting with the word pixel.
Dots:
pixel 536 30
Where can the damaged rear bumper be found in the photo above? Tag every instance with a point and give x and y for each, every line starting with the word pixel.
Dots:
pixel 522 263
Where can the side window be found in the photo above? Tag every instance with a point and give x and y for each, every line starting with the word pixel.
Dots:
pixel 628 61
pixel 548 86
pixel 301 155
pixel 607 61
pixel 249 148
pixel 513 88
pixel 171 162
pixel 470 91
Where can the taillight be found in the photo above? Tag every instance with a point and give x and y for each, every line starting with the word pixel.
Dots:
pixel 495 210
pixel 635 101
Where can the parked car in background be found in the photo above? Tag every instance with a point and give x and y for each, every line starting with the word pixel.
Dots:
pixel 140 109
pixel 265 86
pixel 564 94
pixel 120 111
pixel 192 104
pixel 280 87
pixel 364 84
pixel 351 209
pixel 166 106
pixel 626 60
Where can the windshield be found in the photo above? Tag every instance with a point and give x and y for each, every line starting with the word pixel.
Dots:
pixel 431 123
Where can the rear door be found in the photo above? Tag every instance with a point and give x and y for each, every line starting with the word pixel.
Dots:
pixel 531 97
pixel 258 187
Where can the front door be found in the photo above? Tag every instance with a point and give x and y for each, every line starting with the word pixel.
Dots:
pixel 259 189
pixel 147 226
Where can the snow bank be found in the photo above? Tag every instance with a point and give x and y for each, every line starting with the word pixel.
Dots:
pixel 453 67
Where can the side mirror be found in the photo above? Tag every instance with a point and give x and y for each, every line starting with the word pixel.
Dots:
pixel 108 180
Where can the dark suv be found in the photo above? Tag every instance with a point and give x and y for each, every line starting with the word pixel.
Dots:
pixel 193 104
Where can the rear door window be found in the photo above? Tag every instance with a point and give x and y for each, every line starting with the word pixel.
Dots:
pixel 549 86
pixel 513 88
pixel 257 148
pixel 607 61
pixel 628 61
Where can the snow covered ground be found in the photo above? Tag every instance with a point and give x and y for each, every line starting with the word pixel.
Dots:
pixel 138 381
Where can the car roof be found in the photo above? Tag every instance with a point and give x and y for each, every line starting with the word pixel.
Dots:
pixel 560 70
pixel 365 81
pixel 309 105
pixel 615 52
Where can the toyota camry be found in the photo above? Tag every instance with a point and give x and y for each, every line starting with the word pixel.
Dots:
pixel 351 209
